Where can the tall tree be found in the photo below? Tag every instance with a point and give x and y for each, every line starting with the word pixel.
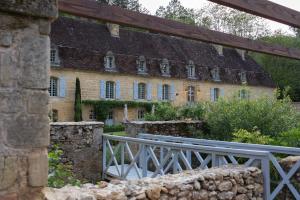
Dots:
pixel 224 19
pixel 133 5
pixel 285 72
pixel 77 104
pixel 175 11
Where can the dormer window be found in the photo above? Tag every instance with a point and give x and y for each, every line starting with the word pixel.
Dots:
pixel 191 70
pixel 54 59
pixel 109 61
pixel 243 77
pixel 215 73
pixel 141 65
pixel 165 67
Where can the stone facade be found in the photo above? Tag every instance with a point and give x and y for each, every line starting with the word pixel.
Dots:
pixel 174 128
pixel 223 184
pixel 24 72
pixel 90 90
pixel 81 143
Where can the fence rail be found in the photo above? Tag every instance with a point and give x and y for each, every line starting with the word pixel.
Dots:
pixel 272 159
pixel 134 158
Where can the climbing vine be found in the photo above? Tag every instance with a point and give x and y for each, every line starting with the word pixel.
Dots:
pixel 102 107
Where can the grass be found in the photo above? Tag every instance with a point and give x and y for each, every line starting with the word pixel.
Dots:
pixel 120 133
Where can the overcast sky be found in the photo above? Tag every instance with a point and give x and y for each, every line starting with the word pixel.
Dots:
pixel 152 6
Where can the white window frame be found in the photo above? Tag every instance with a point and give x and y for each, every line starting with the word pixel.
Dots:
pixel 54 58
pixel 109 61
pixel 217 93
pixel 191 94
pixel 110 90
pixel 243 77
pixel 191 70
pixel 166 92
pixel 92 115
pixel 142 91
pixel 141 65
pixel 141 114
pixel 54 87
pixel 216 74
pixel 165 67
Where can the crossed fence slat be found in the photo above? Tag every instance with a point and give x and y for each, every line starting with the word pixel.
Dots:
pixel 265 164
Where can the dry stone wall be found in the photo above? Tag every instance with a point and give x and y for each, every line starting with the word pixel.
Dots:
pixel 81 143
pixel 24 124
pixel 174 128
pixel 230 183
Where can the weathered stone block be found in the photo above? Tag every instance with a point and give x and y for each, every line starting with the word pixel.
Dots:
pixel 38 168
pixel 12 196
pixel 37 102
pixel 11 101
pixel 9 72
pixel 35 65
pixel 27 131
pixel 8 171
pixel 38 8
pixel 45 27
pixel 5 39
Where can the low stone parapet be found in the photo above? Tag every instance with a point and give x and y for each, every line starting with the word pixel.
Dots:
pixel 184 128
pixel 228 183
pixel 81 143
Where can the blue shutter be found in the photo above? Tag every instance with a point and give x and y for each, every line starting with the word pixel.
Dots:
pixel 159 92
pixel 102 89
pixel 149 91
pixel 212 94
pixel 135 90
pixel 172 94
pixel 222 93
pixel 62 87
pixel 118 90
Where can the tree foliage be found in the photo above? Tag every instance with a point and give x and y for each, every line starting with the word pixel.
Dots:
pixel 285 72
pixel 216 17
pixel 77 104
pixel 175 11
pixel 132 5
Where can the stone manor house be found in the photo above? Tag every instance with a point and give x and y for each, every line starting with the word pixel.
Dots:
pixel 125 64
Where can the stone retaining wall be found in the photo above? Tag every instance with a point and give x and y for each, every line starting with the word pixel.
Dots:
pixel 234 183
pixel 24 81
pixel 174 128
pixel 81 143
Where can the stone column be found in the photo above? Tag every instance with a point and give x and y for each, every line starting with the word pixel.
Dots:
pixel 24 122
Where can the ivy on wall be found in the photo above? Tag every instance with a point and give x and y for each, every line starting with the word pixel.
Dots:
pixel 102 107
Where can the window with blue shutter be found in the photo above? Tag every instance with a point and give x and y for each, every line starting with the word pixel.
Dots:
pixel 102 89
pixel 212 94
pixel 159 92
pixel 118 90
pixel 135 90
pixel 62 87
pixel 222 93
pixel 173 92
pixel 149 91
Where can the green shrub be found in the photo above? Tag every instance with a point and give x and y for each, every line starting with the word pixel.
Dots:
pixel 163 112
pixel 254 137
pixel 269 115
pixel 290 138
pixel 59 174
pixel 193 111
pixel 113 128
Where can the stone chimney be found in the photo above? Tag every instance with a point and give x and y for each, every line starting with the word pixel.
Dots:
pixel 242 53
pixel 219 49
pixel 114 29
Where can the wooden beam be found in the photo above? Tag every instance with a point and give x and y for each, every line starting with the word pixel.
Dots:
pixel 114 14
pixel 266 9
